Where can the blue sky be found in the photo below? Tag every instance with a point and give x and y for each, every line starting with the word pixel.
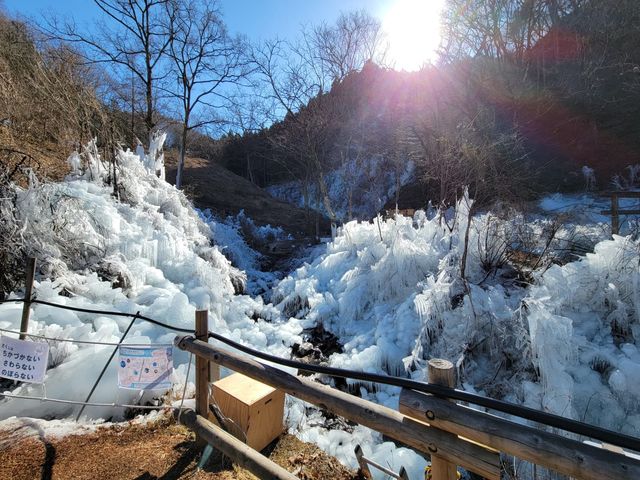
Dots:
pixel 412 26
pixel 258 19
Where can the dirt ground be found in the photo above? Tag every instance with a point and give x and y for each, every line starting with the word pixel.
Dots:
pixel 162 450
pixel 211 186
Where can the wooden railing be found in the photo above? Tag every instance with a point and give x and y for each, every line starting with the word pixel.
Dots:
pixel 615 211
pixel 451 435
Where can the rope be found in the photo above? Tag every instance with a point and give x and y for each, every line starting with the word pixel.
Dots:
pixel 87 342
pixel 102 312
pixel 89 404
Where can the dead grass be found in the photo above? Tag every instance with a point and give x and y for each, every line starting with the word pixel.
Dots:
pixel 212 186
pixel 163 450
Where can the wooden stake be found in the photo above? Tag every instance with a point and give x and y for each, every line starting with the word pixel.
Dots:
pixel 26 307
pixel 442 372
pixel 615 219
pixel 362 463
pixel 202 372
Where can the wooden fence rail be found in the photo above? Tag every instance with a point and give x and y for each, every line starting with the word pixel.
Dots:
pixel 615 211
pixel 549 450
pixel 449 433
pixel 243 455
pixel 390 422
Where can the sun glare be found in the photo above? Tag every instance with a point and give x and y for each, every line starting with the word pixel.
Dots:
pixel 413 31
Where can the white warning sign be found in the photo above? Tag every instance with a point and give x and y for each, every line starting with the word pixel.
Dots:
pixel 23 360
pixel 145 368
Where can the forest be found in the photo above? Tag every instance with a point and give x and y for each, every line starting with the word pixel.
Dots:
pixel 525 97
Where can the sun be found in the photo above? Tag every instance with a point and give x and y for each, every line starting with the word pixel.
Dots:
pixel 413 31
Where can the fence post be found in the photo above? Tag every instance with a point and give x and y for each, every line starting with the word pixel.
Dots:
pixel 442 372
pixel 202 365
pixel 362 463
pixel 615 220
pixel 26 307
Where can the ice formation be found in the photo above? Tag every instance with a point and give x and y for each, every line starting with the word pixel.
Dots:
pixel 390 290
pixel 359 188
pixel 149 252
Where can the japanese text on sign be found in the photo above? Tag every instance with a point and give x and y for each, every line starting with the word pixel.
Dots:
pixel 23 360
pixel 145 368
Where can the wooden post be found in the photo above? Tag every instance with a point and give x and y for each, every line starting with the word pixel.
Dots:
pixel 615 219
pixel 202 369
pixel 206 371
pixel 442 372
pixel 26 307
pixel 362 463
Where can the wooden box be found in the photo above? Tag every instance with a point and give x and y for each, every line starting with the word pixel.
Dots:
pixel 256 409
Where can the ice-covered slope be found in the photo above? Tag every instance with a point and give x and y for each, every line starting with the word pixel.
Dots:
pixel 393 294
pixel 584 324
pixel 391 291
pixel 154 249
pixel 150 252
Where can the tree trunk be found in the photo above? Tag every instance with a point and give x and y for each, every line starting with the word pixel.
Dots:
pixel 465 251
pixel 148 119
pixel 307 208
pixel 183 149
pixel 397 186
pixel 249 172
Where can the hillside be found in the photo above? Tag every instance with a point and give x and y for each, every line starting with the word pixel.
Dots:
pixel 225 193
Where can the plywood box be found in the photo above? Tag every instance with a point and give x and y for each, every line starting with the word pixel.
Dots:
pixel 256 409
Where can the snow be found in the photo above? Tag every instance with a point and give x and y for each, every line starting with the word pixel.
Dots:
pixel 161 257
pixel 586 209
pixel 395 297
pixel 232 234
pixel 390 290
pixel 15 429
pixel 584 340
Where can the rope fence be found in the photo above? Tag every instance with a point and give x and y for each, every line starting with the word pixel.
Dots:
pixel 91 404
pixel 544 418
pixel 85 342
pixel 22 333
pixel 100 312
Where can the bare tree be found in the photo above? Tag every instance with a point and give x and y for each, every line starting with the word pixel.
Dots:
pixel 132 35
pixel 500 29
pixel 205 59
pixel 355 39
pixel 298 75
